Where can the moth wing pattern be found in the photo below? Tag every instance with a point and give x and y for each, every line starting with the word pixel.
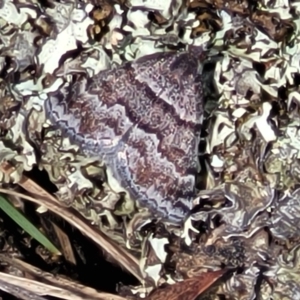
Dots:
pixel 143 119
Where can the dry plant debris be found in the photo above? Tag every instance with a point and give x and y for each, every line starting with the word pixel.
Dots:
pixel 245 216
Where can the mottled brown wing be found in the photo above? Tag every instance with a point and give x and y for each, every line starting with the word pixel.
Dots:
pixel 143 119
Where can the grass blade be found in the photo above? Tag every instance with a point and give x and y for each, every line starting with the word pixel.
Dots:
pixel 21 220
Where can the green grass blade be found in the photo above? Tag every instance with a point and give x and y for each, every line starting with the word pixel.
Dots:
pixel 20 219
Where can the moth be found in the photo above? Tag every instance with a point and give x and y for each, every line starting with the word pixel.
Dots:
pixel 143 120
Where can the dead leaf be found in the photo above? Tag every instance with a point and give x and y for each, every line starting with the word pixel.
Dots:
pixel 187 289
pixel 65 244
